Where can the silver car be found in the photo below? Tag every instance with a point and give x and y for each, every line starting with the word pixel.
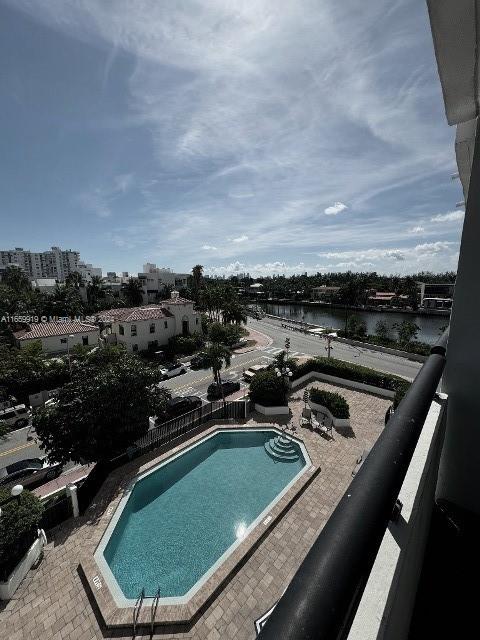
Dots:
pixel 30 472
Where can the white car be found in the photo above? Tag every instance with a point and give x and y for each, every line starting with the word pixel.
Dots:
pixel 171 370
pixel 17 416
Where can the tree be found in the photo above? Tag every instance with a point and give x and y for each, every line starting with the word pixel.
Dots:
pixel 103 410
pixel 382 330
pixel 197 277
pixel 133 292
pixel 94 290
pixel 74 280
pixel 355 326
pixel 216 355
pixel 16 279
pixel 407 331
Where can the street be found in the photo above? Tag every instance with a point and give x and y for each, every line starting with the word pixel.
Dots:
pixel 17 447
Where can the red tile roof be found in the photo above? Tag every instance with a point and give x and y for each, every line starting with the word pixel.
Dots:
pixel 130 314
pixel 49 329
pixel 177 301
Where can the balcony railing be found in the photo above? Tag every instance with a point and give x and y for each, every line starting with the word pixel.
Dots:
pixel 322 599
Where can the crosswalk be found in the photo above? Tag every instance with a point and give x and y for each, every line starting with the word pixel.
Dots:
pixel 274 351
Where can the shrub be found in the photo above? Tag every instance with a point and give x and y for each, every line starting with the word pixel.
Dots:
pixel 355 372
pixel 18 525
pixel 185 344
pixel 268 389
pixel 334 402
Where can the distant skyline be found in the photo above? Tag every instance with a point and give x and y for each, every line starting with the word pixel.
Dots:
pixel 233 135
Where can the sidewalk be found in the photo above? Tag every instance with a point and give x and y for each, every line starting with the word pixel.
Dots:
pixel 261 341
pixel 72 475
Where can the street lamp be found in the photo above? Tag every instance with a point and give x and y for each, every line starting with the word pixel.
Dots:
pixel 328 348
pixel 68 353
pixel 15 492
pixel 285 374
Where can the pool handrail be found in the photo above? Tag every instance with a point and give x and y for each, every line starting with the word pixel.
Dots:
pixel 136 610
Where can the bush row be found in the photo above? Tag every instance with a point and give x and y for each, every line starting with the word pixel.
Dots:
pixel 419 348
pixel 354 372
pixel 334 402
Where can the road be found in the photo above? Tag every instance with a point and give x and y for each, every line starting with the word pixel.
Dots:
pixel 16 447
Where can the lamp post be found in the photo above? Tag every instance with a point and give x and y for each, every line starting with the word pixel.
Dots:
pixel 328 348
pixel 68 354
pixel 285 374
pixel 15 492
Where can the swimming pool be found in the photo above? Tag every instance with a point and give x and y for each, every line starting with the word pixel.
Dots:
pixel 179 521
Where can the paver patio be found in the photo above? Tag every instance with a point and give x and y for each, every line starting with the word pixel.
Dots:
pixel 53 602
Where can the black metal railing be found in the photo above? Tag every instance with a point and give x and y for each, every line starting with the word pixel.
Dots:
pixel 322 599
pixel 157 437
pixel 56 513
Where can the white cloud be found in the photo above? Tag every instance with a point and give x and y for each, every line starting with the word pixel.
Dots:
pixel 336 208
pixel 416 230
pixel 209 247
pixel 242 238
pixel 452 216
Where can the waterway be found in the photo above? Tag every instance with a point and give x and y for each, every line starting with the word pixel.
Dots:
pixel 430 326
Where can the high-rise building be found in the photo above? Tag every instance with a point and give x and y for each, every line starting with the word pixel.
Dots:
pixel 56 263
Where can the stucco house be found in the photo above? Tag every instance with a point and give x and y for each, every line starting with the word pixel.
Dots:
pixel 58 337
pixel 148 327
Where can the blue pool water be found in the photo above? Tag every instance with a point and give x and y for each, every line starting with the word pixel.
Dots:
pixel 180 519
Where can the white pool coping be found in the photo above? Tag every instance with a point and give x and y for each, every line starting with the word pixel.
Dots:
pixel 120 599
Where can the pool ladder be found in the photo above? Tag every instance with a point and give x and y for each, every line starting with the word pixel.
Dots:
pixel 138 607
pixel 136 610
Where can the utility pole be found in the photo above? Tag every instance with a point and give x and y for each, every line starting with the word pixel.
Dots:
pixel 287 346
pixel 328 348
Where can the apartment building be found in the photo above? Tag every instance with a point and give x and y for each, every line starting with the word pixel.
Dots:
pixel 154 280
pixel 56 263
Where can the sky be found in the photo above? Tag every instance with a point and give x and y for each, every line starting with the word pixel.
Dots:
pixel 246 136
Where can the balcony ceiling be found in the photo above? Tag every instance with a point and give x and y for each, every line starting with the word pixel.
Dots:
pixel 454 28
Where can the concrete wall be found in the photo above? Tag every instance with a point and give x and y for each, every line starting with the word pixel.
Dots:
pixel 350 384
pixel 461 453
pixel 143 337
pixel 8 588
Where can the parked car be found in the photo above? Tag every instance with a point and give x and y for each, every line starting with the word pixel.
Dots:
pixel 182 404
pixel 360 460
pixel 252 371
pixel 229 386
pixel 16 417
pixel 30 472
pixel 170 370
pixel 6 403
pixel 199 361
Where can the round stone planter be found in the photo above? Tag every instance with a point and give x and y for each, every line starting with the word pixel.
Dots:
pixel 272 411
pixel 337 422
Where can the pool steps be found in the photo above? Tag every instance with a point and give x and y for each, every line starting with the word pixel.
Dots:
pixel 282 448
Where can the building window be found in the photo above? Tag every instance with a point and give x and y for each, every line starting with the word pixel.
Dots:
pixel 121 330
pixel 85 341
pixel 196 320
pixel 63 340
pixel 152 327
pixel 166 324
pixel 133 330
pixel 134 347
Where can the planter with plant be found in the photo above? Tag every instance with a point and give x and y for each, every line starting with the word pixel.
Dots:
pixel 268 393
pixel 331 404
pixel 20 542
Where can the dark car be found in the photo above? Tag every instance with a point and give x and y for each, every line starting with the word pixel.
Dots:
pixel 30 472
pixel 229 386
pixel 199 361
pixel 182 404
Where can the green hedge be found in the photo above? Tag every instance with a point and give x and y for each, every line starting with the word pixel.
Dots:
pixel 334 402
pixel 415 346
pixel 356 373
pixel 268 389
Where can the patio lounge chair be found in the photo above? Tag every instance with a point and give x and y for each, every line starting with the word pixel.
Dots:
pixel 325 426
pixel 306 417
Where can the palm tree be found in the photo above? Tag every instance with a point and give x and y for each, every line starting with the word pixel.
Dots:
pixel 197 275
pixel 94 289
pixel 74 280
pixel 234 312
pixel 133 292
pixel 215 356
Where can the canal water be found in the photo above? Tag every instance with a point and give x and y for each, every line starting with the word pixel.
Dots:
pixel 430 326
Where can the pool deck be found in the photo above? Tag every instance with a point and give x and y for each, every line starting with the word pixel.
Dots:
pixel 56 600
